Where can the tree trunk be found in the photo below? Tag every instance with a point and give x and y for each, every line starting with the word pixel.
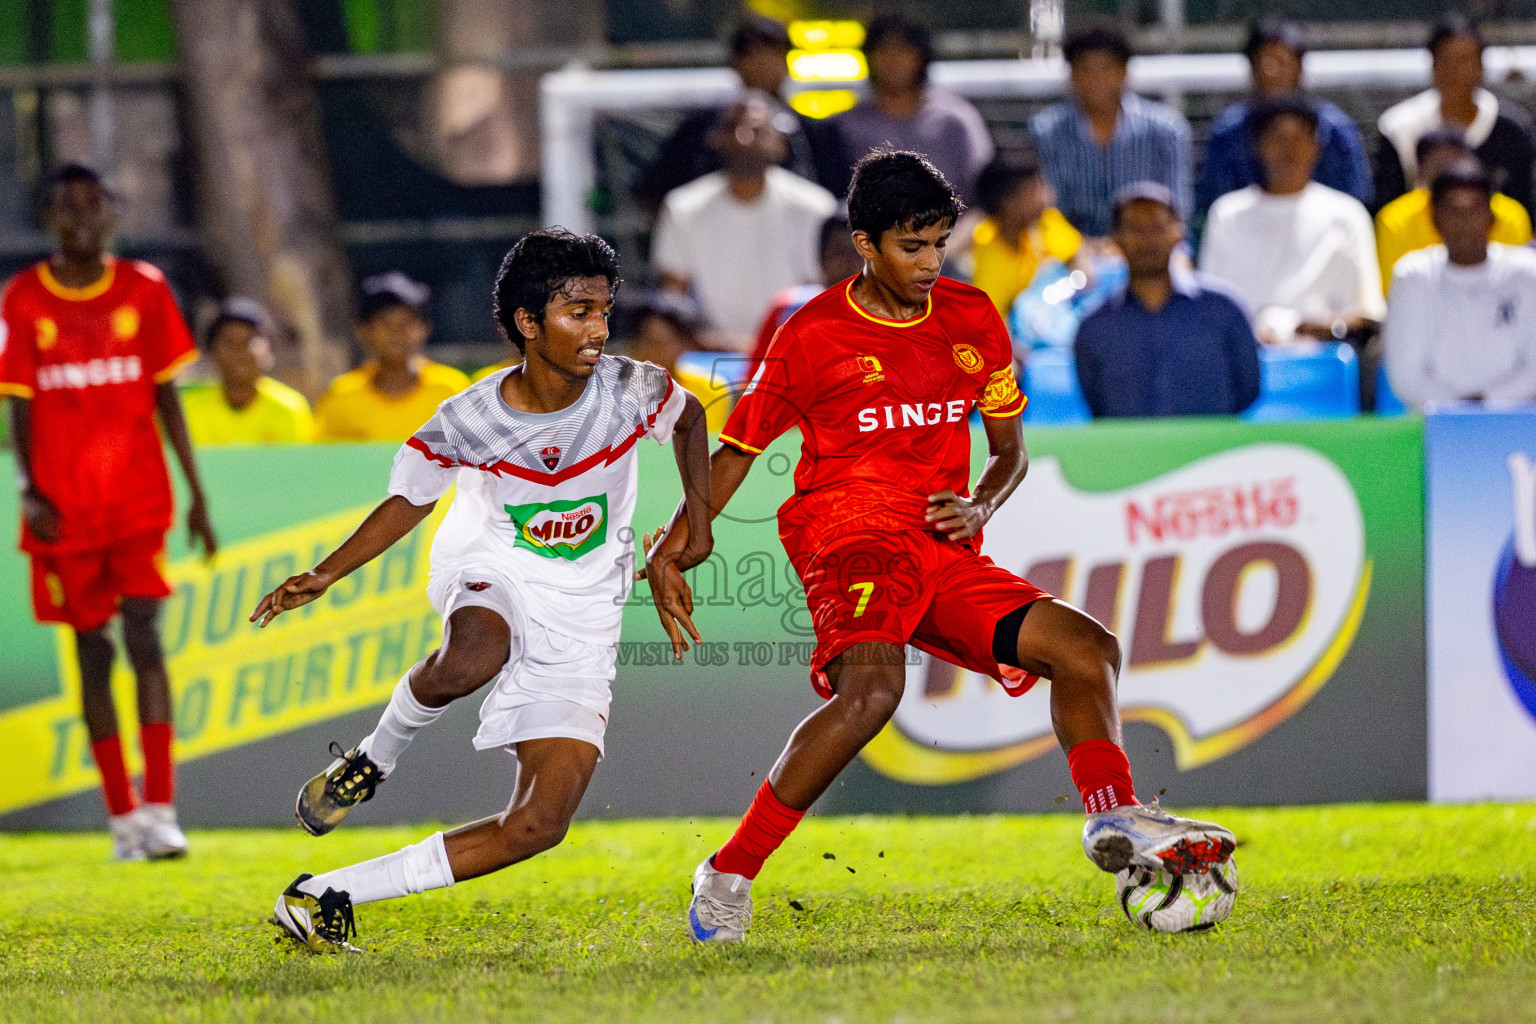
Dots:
pixel 264 186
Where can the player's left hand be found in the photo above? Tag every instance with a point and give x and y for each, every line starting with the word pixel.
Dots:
pixel 200 528
pixel 959 518
pixel 673 597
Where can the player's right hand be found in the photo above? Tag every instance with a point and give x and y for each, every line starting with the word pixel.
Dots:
pixel 648 540
pixel 296 592
pixel 41 515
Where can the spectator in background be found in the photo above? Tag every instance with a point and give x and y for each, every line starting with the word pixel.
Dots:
pixel 1498 132
pixel 1462 323
pixel 1406 225
pixel 1172 344
pixel 1300 255
pixel 813 148
pixel 1021 229
pixel 244 406
pixel 904 112
pixel 397 389
pixel 663 327
pixel 736 236
pixel 840 260
pixel 659 326
pixel 1106 137
pixel 1275 52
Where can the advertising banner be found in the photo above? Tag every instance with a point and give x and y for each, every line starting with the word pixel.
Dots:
pixel 1265 582
pixel 1480 475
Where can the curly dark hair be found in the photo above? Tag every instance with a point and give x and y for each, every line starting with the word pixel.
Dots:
pixel 539 265
pixel 899 189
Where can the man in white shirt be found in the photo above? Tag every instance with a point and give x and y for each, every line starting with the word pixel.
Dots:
pixel 738 236
pixel 1300 254
pixel 1462 324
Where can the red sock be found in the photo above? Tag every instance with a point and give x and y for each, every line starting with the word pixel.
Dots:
pixel 159 773
pixel 1102 775
pixel 766 824
pixel 116 788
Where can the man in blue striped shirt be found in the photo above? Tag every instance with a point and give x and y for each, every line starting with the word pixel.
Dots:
pixel 1106 137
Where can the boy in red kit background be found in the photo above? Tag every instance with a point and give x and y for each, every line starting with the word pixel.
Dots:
pixel 880 373
pixel 90 346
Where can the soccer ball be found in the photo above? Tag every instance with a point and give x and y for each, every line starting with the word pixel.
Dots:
pixel 1161 902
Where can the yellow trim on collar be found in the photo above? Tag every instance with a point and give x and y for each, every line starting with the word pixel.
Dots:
pixel 848 294
pixel 90 291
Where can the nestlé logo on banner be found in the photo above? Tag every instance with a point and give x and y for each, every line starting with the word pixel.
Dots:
pixel 1235 584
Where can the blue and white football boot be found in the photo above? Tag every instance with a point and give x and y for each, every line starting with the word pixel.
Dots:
pixel 721 908
pixel 1151 838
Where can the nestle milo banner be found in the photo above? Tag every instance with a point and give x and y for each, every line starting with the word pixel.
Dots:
pixel 1266 583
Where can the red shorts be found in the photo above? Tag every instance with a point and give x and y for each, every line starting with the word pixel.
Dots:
pixel 82 588
pixel 911 587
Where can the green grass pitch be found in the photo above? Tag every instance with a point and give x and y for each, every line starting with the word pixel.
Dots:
pixel 1350 913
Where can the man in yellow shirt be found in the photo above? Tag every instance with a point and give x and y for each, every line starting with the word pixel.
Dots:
pixel 1406 224
pixel 1021 230
pixel 397 389
pixel 244 406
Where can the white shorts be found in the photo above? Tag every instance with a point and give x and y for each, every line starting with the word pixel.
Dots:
pixel 553 684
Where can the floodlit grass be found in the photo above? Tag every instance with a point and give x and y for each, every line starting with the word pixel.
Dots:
pixel 1353 913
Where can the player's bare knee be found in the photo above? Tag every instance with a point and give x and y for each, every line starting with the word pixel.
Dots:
pixel 871 694
pixel 450 676
pixel 1108 646
pixel 527 832
pixel 1090 649
pixel 141 632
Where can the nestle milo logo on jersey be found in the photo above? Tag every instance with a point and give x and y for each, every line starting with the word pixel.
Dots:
pixel 562 529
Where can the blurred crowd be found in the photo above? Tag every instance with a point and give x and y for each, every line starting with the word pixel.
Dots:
pixel 1095 240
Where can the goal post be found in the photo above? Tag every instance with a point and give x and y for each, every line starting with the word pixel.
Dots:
pixel 571 100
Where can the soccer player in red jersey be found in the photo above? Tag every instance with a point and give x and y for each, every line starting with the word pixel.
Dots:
pixel 90 347
pixel 880 373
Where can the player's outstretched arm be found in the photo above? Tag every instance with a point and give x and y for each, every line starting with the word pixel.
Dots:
pixel 728 467
pixel 393 518
pixel 199 525
pixel 690 443
pixel 40 513
pixel 664 570
pixel 1007 462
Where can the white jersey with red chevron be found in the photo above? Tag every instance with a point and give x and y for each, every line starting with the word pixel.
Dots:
pixel 544 499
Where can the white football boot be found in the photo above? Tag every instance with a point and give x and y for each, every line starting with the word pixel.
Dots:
pixel 721 909
pixel 1149 837
pixel 127 836
pixel 163 837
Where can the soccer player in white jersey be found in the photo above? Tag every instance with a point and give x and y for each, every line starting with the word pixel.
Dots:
pixel 528 573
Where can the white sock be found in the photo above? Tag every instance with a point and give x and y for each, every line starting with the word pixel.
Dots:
pixel 398 726
pixel 413 869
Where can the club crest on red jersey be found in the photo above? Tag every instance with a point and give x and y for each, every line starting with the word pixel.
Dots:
pixel 551 457
pixel 873 371
pixel 967 358
pixel 125 323
pixel 47 333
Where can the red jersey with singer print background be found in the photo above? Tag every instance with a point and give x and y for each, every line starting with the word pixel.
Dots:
pixel 882 406
pixel 89 359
